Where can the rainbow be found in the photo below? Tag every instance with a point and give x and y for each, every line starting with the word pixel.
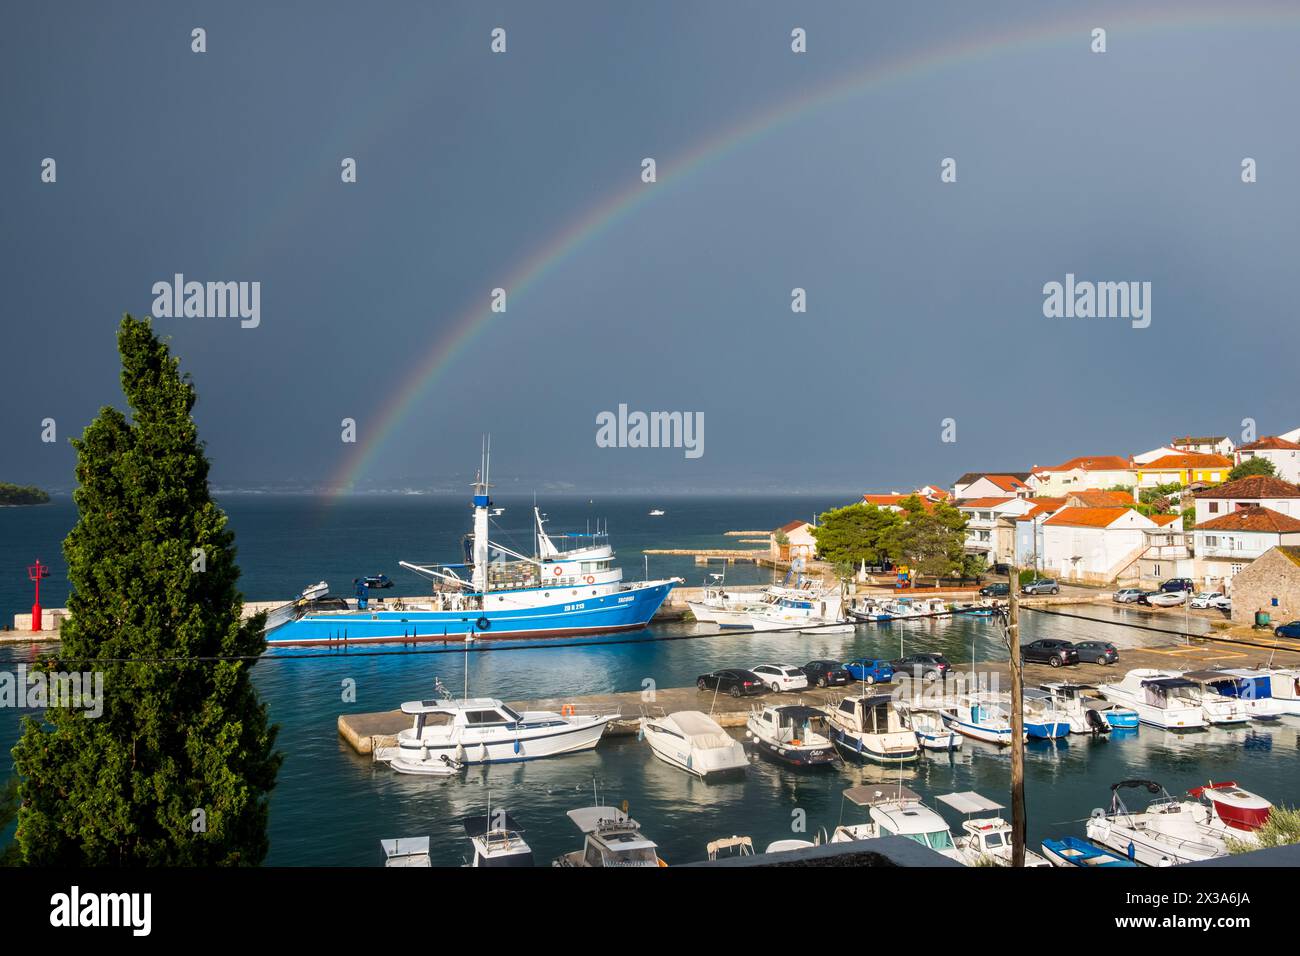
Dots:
pixel 561 246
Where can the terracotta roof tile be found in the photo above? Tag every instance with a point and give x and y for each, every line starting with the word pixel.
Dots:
pixel 1092 463
pixel 1087 517
pixel 1093 498
pixel 790 526
pixel 1163 520
pixel 1270 443
pixel 1188 461
pixel 982 502
pixel 1254 486
pixel 1252 519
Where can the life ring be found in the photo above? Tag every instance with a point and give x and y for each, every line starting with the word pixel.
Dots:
pixel 566 710
pixel 483 624
pixel 558 570
pixel 591 579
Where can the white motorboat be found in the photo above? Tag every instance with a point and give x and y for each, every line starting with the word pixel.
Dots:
pixel 716 600
pixel 794 612
pixel 612 839
pixel 1219 708
pixel 981 716
pixel 931 732
pixel 869 728
pixel 1284 687
pixel 447 734
pixel 657 512
pixel 1160 700
pixel 1237 813
pixel 497 840
pixel 694 742
pixel 1070 703
pixel 871 612
pixel 894 810
pixel 406 851
pixel 986 839
pixel 1255 688
pixel 785 846
pixel 315 591
pixel 1168 832
pixel 1043 718
pixel 792 734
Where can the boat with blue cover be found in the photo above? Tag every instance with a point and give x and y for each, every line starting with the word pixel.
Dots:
pixel 495 593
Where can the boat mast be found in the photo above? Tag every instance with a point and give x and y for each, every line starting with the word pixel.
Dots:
pixel 482 505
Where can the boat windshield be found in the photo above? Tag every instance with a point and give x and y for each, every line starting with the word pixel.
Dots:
pixel 936 840
pixel 511 713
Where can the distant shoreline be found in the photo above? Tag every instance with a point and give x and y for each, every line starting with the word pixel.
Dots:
pixel 20 496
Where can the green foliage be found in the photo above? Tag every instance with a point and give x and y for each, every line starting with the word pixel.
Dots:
pixel 22 494
pixel 9 856
pixel 781 538
pixel 855 533
pixel 1026 575
pixel 1282 828
pixel 931 542
pixel 178 733
pixel 974 566
pixel 1189 519
pixel 1253 466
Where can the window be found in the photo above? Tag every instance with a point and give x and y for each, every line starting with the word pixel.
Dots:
pixel 1214 507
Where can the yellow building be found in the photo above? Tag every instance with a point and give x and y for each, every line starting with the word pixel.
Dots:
pixel 1184 470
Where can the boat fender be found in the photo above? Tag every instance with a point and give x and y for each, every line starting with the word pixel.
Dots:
pixel 518 747
pixel 483 624
pixel 424 751
pixel 460 753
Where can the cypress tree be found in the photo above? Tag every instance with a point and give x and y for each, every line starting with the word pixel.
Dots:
pixel 178 769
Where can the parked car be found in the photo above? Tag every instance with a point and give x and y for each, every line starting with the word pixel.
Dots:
pixel 1127 595
pixel 1049 651
pixel 736 682
pixel 1041 586
pixel 1099 652
pixel 1222 603
pixel 869 671
pixel 1184 585
pixel 827 673
pixel 1163 598
pixel 998 589
pixel 1000 568
pixel 926 666
pixel 1205 597
pixel 1288 630
pixel 781 677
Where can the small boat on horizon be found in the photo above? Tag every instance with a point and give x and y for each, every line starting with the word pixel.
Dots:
pixel 657 513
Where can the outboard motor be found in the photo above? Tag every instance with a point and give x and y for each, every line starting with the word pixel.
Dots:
pixel 1096 722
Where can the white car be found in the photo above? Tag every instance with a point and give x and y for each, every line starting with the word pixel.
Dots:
pixel 781 677
pixel 1204 598
pixel 1222 603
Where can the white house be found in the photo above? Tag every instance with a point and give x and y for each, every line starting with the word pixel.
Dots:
pixel 1283 454
pixel 1228 544
pixel 1149 456
pixel 989 484
pixel 990 525
pixel 1204 445
pixel 1255 491
pixel 1086 471
pixel 1095 545
pixel 799 542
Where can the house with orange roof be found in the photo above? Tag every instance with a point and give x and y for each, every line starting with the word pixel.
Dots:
pixel 1085 471
pixel 1282 453
pixel 1256 490
pixel 1184 469
pixel 1226 545
pixel 793 540
pixel 1097 498
pixel 1203 445
pixel 894 500
pixel 1095 545
pixel 987 484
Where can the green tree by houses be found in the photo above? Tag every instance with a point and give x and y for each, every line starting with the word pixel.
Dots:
pixel 1253 466
pixel 931 541
pixel 178 769
pixel 855 534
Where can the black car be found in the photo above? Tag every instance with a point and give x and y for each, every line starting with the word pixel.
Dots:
pixel 737 683
pixel 1048 651
pixel 924 666
pixel 1000 589
pixel 1178 584
pixel 1099 652
pixel 827 673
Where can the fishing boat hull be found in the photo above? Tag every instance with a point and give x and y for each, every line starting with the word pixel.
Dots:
pixel 869 748
pixel 1071 851
pixel 1046 729
pixel 623 610
pixel 800 758
pixel 565 735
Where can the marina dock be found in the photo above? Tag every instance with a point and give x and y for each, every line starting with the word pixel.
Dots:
pixel 364 732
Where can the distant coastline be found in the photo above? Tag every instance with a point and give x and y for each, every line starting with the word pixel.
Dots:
pixel 15 495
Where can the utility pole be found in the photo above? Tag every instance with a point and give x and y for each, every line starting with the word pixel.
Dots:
pixel 1017 722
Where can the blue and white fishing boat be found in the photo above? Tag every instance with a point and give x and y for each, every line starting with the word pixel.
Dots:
pixel 1072 851
pixel 1044 720
pixel 496 593
pixel 983 716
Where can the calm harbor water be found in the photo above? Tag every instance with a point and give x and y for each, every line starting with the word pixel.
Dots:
pixel 331 807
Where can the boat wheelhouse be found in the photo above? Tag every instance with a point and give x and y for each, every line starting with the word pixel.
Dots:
pixel 895 810
pixel 985 840
pixel 1255 688
pixel 1159 699
pixel 495 592
pixel 981 716
pixel 1220 709
pixel 869 728
pixel 498 840
pixel 793 734
pixel 611 839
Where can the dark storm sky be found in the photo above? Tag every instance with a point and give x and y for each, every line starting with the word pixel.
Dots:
pixel 925 299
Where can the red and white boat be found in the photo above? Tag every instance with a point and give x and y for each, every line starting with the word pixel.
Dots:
pixel 1237 812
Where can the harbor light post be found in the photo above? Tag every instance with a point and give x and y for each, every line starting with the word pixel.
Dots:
pixel 1017 721
pixel 35 573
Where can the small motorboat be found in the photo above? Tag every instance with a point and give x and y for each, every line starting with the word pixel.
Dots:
pixel 834 628
pixel 1159 699
pixel 975 610
pixel 1220 710
pixel 1255 688
pixel 894 810
pixel 406 851
pixel 1116 716
pixel 657 512
pixel 612 839
pixel 793 735
pixel 986 839
pixel 1072 851
pixel 1235 808
pixel 868 728
pixel 1072 703
pixel 447 734
pixel 1043 720
pixel 314 592
pixel 982 716
pixel 497 840
pixel 871 613
pixel 1168 832
pixel 376 582
pixel 694 742
pixel 930 730
pixel 785 846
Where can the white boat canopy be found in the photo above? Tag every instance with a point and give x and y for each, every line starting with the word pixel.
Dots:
pixel 590 819
pixel 968 801
pixel 700 729
pixel 869 796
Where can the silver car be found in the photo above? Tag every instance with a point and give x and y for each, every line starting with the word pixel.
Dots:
pixel 1128 595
